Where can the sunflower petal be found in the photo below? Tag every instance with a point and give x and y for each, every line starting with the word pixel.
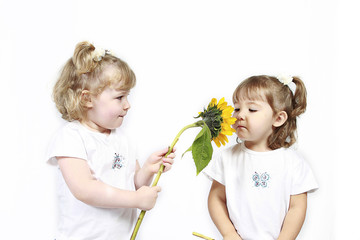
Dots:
pixel 216 141
pixel 221 100
pixel 228 110
pixel 230 120
pixel 213 102
pixel 224 138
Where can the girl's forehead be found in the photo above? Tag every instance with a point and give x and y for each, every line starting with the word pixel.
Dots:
pixel 250 95
pixel 118 78
pixel 248 102
pixel 119 87
pixel 113 91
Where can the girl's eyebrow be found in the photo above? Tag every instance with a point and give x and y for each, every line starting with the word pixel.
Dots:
pixel 253 102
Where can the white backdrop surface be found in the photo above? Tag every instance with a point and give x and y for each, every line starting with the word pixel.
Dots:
pixel 183 53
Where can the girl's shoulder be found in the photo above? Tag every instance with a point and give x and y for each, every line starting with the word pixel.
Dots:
pixel 234 149
pixel 66 141
pixel 73 126
pixel 67 128
pixel 240 151
pixel 293 154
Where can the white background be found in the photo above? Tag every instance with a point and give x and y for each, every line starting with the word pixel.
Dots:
pixel 183 53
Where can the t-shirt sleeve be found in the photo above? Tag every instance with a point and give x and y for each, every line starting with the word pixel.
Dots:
pixel 67 142
pixel 303 179
pixel 215 169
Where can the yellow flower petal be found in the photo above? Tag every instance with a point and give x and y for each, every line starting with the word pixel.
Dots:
pixel 221 100
pixel 230 120
pixel 216 141
pixel 225 126
pixel 228 110
pixel 228 132
pixel 224 138
pixel 213 102
pixel 226 115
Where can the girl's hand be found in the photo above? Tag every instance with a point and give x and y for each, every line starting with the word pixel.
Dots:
pixel 153 163
pixel 144 175
pixel 146 197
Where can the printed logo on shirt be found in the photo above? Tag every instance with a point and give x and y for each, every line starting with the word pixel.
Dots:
pixel 118 161
pixel 260 179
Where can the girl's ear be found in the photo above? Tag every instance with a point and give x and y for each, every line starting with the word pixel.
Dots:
pixel 86 98
pixel 280 119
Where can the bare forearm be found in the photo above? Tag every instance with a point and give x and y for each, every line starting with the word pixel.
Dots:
pixel 86 188
pixel 143 176
pixel 99 194
pixel 294 218
pixel 219 213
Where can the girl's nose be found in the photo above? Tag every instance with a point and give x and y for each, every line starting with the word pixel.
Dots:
pixel 240 115
pixel 127 104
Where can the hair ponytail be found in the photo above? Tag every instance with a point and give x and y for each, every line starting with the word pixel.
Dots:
pixel 299 99
pixel 68 89
pixel 83 58
pixel 294 104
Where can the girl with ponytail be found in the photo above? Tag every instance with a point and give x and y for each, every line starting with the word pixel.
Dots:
pixel 100 183
pixel 260 185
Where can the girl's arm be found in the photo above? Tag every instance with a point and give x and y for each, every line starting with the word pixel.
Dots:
pixel 144 175
pixel 91 191
pixel 295 217
pixel 219 213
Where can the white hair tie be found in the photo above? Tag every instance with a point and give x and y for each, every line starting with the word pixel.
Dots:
pixel 288 81
pixel 99 53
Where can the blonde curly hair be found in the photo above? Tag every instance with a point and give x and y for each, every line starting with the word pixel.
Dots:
pixel 84 72
pixel 280 98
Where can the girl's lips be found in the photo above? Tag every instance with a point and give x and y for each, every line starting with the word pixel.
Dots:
pixel 122 115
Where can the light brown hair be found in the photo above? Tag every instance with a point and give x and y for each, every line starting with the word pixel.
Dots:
pixel 83 72
pixel 280 98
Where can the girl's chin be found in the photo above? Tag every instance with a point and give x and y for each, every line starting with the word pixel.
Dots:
pixel 241 137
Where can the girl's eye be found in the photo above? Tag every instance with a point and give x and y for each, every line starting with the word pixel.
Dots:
pixel 252 110
pixel 120 97
pixel 236 109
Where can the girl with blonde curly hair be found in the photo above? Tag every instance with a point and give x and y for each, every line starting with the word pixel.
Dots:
pixel 99 181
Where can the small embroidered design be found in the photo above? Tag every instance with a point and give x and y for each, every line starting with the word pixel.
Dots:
pixel 260 179
pixel 118 161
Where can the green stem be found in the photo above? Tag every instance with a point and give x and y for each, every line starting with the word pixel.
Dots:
pixel 202 236
pixel 161 170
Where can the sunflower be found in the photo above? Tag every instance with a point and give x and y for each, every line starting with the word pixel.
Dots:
pixel 215 125
pixel 217 117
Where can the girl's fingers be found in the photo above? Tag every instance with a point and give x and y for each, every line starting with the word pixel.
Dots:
pixel 168 160
pixel 165 151
pixel 167 167
pixel 171 155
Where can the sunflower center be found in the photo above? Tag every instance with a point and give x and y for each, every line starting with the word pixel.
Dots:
pixel 213 119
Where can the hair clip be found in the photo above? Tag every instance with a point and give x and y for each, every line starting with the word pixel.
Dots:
pixel 288 81
pixel 99 53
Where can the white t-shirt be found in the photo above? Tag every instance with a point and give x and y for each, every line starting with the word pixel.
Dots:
pixel 258 186
pixel 112 160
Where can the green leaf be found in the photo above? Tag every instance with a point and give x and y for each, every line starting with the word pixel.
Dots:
pixel 202 149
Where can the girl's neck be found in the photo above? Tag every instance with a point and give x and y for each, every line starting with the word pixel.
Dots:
pixel 95 128
pixel 257 147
